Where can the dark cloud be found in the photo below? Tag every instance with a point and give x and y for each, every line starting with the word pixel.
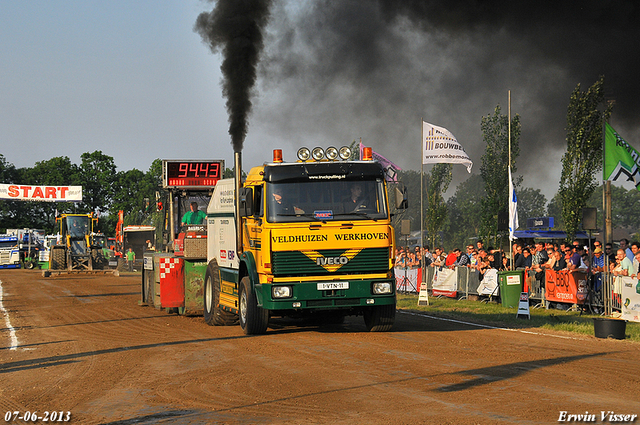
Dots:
pixel 338 70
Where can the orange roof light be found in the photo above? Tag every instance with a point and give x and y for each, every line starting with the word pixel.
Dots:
pixel 367 154
pixel 277 155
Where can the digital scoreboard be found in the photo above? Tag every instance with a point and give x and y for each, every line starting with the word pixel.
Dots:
pixel 191 174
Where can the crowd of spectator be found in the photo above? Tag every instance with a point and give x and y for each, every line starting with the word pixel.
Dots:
pixel 538 257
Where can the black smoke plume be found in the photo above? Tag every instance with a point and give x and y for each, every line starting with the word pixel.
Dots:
pixel 335 71
pixel 235 28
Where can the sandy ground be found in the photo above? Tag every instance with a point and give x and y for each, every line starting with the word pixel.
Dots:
pixel 83 345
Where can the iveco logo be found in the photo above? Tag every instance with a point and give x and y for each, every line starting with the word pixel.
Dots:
pixel 324 261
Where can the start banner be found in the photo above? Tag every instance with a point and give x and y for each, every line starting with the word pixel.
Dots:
pixel 23 192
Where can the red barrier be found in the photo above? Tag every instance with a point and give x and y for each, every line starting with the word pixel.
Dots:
pixel 565 287
pixel 171 282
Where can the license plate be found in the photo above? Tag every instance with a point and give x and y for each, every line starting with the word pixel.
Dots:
pixel 331 286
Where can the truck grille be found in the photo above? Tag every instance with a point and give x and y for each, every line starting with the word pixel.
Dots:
pixel 5 257
pixel 296 263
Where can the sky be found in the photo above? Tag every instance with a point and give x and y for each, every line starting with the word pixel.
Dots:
pixel 135 81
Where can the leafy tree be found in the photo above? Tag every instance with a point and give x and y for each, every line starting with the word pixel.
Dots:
pixel 465 209
pixel 625 211
pixel 495 167
pixel 7 208
pixel 57 171
pixel 438 181
pixel 531 203
pixel 554 209
pixel 584 152
pixel 98 174
pixel 411 181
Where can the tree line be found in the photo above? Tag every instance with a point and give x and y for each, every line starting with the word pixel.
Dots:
pixel 105 191
pixel 471 212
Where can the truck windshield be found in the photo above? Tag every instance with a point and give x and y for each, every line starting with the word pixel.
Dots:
pixel 8 244
pixel 326 200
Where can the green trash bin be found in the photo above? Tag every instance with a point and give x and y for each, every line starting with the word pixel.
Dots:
pixel 510 287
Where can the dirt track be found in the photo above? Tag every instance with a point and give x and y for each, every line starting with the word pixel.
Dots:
pixel 84 345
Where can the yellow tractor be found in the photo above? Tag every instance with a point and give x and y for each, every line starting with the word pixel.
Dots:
pixel 75 250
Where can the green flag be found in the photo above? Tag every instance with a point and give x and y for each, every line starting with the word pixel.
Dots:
pixel 621 161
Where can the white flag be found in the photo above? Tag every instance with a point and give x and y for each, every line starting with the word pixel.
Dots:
pixel 439 145
pixel 513 208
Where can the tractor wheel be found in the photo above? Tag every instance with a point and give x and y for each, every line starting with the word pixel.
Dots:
pixel 213 312
pixel 58 259
pixel 97 259
pixel 380 318
pixel 253 319
pixel 122 265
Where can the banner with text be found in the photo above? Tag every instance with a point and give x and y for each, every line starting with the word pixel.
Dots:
pixel 489 283
pixel 439 145
pixel 630 288
pixel 407 279
pixel 23 192
pixel 445 282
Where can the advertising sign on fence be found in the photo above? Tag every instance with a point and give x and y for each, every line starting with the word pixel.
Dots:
pixel 489 284
pixel 407 279
pixel 630 299
pixel 445 282
pixel 565 287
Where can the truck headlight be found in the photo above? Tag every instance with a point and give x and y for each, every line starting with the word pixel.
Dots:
pixel 382 288
pixel 281 292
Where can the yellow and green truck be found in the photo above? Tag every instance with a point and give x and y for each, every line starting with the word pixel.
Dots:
pixel 307 238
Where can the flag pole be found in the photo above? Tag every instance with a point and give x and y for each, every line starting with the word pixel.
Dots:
pixel 421 200
pixel 509 185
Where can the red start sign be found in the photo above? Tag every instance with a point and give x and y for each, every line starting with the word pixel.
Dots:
pixel 23 192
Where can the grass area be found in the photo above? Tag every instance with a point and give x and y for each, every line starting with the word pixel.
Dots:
pixel 494 314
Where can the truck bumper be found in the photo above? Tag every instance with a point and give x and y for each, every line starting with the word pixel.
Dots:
pixel 309 295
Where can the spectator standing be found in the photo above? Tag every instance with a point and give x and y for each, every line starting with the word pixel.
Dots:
pixel 624 244
pixel 438 258
pixel 608 251
pixel 451 258
pixel 560 263
pixel 131 257
pixel 597 267
pixel 623 266
pixel 575 259
pixel 470 254
pixel 636 265
pixel 461 258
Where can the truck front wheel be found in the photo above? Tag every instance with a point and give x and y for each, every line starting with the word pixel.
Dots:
pixel 380 318
pixel 253 319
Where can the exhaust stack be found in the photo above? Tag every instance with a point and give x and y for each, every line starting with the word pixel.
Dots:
pixel 237 157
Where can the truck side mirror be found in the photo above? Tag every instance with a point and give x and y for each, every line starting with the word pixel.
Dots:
pixel 246 202
pixel 401 198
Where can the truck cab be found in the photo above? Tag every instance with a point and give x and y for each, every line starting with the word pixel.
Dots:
pixel 316 240
pixel 9 252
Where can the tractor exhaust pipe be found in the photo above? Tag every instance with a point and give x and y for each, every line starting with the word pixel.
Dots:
pixel 237 156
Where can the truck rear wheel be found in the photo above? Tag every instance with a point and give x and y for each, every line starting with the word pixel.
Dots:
pixel 253 319
pixel 213 312
pixel 380 318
